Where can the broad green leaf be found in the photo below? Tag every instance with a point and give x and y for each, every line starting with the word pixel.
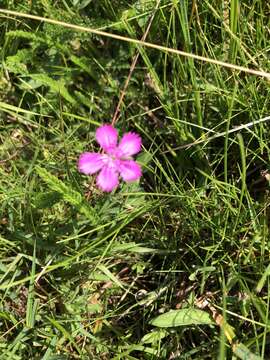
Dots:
pixel 183 317
pixel 154 336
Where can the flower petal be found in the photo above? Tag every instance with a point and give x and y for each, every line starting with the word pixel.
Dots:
pixel 130 144
pixel 90 163
pixel 106 136
pixel 130 170
pixel 107 179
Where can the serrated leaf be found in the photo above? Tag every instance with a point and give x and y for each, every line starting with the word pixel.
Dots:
pixel 47 199
pixel 71 196
pixel 81 62
pixel 56 86
pixel 26 35
pixel 183 317
pixel 17 63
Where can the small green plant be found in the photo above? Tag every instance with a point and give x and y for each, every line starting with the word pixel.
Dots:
pixel 172 262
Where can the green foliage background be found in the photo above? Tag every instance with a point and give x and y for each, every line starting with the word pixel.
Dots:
pixel 85 275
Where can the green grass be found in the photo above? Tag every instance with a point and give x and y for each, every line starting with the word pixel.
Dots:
pixel 87 275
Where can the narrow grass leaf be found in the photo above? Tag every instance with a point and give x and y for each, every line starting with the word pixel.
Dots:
pixel 134 248
pixel 262 280
pixel 32 303
pixel 47 355
pixel 243 353
pixel 64 332
pixel 111 276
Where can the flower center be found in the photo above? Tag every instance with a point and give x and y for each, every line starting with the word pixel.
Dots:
pixel 111 160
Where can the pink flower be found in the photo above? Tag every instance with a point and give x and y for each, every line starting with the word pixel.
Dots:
pixel 116 159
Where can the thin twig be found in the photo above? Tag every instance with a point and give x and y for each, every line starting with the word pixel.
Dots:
pixel 141 43
pixel 132 67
